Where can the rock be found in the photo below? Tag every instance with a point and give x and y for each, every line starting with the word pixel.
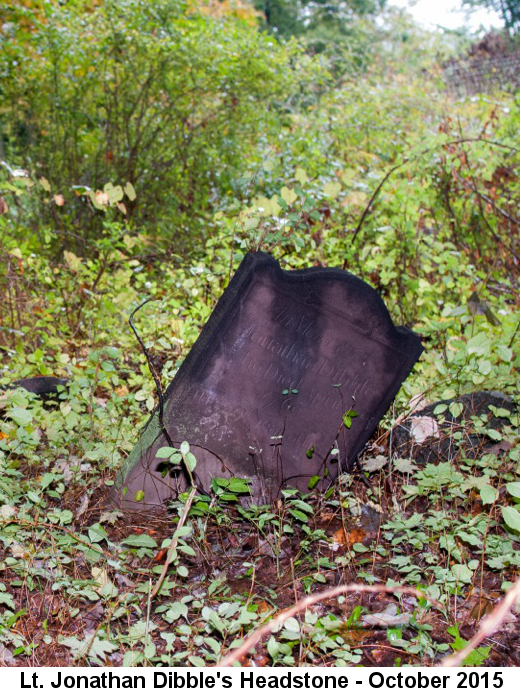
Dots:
pixel 427 438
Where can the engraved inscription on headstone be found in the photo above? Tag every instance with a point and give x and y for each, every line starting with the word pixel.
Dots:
pixel 263 392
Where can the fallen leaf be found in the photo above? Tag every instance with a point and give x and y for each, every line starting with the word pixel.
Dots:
pixel 356 535
pixel 423 428
pixel 389 617
pixel 374 464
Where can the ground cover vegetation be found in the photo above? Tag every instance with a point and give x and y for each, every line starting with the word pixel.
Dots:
pixel 145 148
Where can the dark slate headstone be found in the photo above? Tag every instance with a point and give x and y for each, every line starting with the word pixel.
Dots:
pixel 47 387
pixel 428 438
pixel 262 393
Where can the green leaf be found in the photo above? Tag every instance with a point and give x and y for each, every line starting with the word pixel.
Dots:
pixel 476 657
pixel 360 548
pixel 238 485
pixel 462 573
pixel 332 189
pixel 300 175
pixel 511 517
pixel 273 647
pixel 21 416
pixel 313 481
pixel 7 600
pixel 440 408
pixel 221 482
pixel 488 493
pixel 130 191
pixel 141 541
pixel 288 195
pixel 298 515
pixel 347 418
pixel 196 661
pixel 292 625
pixel 97 533
pixel 95 649
pixel 176 610
pixel 165 452
pixel 304 506
pixel 190 461
pixel 46 480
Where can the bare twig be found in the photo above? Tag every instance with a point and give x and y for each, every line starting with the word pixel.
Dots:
pixel 154 373
pixel 159 390
pixel 489 625
pixel 304 603
pixel 376 192
pixel 415 158
pixel 173 544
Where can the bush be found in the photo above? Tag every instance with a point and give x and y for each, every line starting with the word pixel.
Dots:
pixel 159 95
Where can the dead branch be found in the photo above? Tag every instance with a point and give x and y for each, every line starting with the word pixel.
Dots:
pixel 415 158
pixel 173 544
pixel 153 371
pixel 489 625
pixel 159 390
pixel 304 603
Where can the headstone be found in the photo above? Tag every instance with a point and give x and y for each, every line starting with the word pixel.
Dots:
pixel 47 387
pixel 264 392
pixel 427 435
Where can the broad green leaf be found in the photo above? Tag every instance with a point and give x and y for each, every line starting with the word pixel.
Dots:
pixel 511 517
pixel 462 573
pixel 130 191
pixel 488 493
pixel 97 533
pixel 21 416
pixel 140 541
pixel 288 195
pixel 313 481
pixel 332 189
pixel 165 452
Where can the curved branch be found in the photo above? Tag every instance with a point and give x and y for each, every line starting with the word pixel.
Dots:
pixel 489 625
pixel 304 603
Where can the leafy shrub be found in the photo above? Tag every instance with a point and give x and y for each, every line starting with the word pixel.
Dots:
pixel 159 95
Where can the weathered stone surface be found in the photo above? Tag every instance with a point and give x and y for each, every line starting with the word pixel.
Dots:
pixel 428 438
pixel 263 391
pixel 47 387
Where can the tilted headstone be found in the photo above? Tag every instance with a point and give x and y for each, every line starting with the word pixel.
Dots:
pixel 264 391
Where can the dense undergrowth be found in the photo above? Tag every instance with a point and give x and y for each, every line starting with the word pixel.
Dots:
pixel 383 175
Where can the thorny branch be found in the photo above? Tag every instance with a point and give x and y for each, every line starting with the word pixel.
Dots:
pixel 159 390
pixel 304 603
pixel 489 625
pixel 173 544
pixel 405 161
